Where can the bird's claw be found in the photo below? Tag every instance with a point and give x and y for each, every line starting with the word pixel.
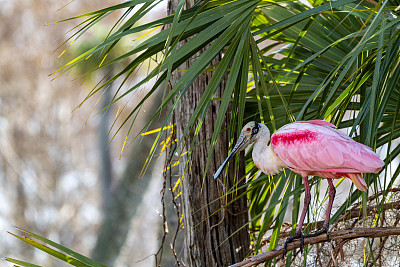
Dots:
pixel 324 230
pixel 290 239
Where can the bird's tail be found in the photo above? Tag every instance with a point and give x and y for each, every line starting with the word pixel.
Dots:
pixel 359 181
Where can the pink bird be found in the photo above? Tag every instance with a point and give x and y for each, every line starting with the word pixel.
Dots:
pixel 309 148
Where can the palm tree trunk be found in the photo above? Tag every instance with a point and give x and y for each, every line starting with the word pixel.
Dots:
pixel 208 237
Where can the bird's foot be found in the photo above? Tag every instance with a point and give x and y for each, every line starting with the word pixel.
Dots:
pixel 324 230
pixel 290 239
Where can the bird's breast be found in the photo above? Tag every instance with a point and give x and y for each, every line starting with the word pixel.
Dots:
pixel 266 160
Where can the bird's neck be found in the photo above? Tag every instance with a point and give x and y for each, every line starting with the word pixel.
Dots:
pixel 264 157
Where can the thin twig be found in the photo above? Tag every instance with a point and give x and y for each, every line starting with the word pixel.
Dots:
pixel 383 241
pixel 222 210
pixel 333 257
pixel 347 234
pixel 165 226
pixel 168 165
pixel 169 155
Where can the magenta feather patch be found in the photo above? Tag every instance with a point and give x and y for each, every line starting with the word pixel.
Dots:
pixel 293 137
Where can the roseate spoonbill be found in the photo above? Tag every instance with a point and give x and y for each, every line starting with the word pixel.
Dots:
pixel 309 148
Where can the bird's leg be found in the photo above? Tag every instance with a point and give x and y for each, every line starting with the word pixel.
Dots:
pixel 298 233
pixel 332 193
pixel 325 227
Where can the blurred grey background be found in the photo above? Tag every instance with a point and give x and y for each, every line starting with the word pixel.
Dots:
pixel 57 177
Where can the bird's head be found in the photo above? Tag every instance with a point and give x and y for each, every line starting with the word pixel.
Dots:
pixel 249 133
pixel 247 136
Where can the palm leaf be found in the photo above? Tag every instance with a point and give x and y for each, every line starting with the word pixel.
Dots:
pixel 56 250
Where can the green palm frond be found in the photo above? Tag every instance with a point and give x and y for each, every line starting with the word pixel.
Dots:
pixel 54 249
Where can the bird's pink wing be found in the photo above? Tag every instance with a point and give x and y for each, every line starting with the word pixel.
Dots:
pixel 319 122
pixel 315 148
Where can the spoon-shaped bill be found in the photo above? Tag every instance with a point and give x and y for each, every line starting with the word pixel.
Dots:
pixel 221 168
pixel 240 145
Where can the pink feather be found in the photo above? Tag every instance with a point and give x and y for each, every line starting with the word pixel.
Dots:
pixel 316 148
pixel 319 122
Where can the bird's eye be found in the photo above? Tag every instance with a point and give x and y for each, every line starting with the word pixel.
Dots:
pixel 248 129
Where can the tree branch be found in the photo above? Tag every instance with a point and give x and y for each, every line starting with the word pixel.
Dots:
pixel 336 235
pixel 348 215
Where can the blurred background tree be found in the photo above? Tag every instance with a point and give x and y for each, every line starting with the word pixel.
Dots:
pixel 59 175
